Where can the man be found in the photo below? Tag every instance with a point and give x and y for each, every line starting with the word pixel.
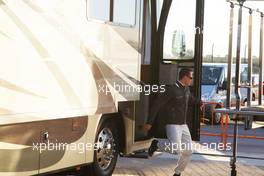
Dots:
pixel 175 102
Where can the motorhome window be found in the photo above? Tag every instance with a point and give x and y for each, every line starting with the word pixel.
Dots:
pixel 98 9
pixel 180 30
pixel 211 75
pixel 125 12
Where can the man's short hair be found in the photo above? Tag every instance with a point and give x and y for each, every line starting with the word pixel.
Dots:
pixel 184 72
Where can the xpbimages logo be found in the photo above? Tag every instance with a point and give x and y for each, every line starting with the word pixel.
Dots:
pixel 126 88
pixel 80 147
pixel 170 147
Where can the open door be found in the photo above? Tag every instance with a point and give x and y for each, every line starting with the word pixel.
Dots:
pixel 180 38
pixel 172 39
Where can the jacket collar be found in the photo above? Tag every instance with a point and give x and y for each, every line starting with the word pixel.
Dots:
pixel 179 84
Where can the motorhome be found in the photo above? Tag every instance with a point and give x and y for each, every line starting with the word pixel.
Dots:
pixel 71 75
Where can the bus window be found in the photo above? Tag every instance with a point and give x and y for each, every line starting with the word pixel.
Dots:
pixel 99 9
pixel 125 12
pixel 180 30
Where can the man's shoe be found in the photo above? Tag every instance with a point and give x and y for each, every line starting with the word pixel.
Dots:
pixel 176 174
pixel 153 147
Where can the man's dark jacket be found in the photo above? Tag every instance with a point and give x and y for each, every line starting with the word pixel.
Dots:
pixel 170 107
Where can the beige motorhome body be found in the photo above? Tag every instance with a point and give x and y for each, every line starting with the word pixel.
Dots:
pixel 57 74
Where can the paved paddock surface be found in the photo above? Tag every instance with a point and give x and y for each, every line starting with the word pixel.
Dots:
pixel 201 165
pixel 162 166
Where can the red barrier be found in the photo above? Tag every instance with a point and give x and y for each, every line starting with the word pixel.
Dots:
pixel 224 126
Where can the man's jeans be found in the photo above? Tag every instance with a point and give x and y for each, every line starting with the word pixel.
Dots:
pixel 179 141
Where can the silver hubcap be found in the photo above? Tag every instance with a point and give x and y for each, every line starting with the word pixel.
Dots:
pixel 105 151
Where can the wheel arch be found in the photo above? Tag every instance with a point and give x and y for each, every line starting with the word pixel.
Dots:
pixel 118 120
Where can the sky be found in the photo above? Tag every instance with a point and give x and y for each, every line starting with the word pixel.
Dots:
pixel 216 27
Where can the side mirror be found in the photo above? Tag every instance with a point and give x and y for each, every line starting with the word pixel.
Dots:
pixel 178 48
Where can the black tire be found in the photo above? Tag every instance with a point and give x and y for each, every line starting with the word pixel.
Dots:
pixel 105 152
pixel 208 114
